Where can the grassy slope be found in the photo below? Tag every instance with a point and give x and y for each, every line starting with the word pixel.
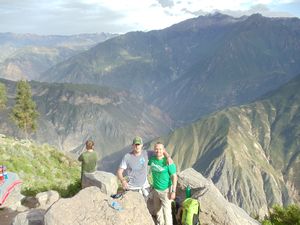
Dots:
pixel 41 167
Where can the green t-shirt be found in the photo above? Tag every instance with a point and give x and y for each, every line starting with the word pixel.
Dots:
pixel 89 161
pixel 161 173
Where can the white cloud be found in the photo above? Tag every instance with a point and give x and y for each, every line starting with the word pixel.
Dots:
pixel 77 16
pixel 157 14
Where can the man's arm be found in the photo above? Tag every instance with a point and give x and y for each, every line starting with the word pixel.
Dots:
pixel 169 159
pixel 122 178
pixel 80 158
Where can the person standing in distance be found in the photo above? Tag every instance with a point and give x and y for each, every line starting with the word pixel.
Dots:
pixel 88 159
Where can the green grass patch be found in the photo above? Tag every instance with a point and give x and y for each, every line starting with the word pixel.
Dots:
pixel 40 167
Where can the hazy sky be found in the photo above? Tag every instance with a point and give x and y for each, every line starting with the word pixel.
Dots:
pixel 120 16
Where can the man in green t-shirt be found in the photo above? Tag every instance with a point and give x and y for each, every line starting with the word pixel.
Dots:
pixel 88 158
pixel 164 184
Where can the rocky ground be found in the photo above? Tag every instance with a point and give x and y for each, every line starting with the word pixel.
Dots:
pixel 7 216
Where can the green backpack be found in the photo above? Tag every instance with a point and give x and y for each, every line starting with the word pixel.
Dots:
pixel 190 212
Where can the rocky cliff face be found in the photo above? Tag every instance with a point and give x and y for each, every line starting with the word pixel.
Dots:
pixel 71 114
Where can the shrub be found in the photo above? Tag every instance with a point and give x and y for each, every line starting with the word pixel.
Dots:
pixel 279 215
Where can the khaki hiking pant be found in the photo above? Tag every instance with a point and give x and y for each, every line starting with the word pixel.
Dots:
pixel 163 207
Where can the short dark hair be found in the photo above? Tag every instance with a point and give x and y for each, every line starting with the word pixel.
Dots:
pixel 89 144
pixel 159 143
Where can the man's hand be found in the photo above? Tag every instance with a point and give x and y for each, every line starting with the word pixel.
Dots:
pixel 172 195
pixel 169 159
pixel 122 179
pixel 124 184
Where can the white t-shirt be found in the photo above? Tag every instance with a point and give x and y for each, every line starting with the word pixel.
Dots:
pixel 136 168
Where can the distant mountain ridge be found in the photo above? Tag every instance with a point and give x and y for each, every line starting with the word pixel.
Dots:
pixel 26 56
pixel 250 152
pixel 21 40
pixel 195 67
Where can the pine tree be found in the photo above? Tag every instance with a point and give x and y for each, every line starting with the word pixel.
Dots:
pixel 3 96
pixel 24 113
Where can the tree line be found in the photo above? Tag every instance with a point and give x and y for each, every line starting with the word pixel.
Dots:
pixel 24 113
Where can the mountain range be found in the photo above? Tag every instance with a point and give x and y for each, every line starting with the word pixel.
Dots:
pixel 194 67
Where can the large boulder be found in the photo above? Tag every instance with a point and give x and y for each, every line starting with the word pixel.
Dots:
pixel 39 205
pixel 92 207
pixel 215 209
pixel 107 182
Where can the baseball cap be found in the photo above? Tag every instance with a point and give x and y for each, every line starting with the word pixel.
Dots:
pixel 137 141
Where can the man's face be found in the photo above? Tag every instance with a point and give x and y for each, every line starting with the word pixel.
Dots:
pixel 159 150
pixel 137 148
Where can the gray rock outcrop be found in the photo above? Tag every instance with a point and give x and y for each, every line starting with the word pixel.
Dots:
pixel 92 207
pixel 107 182
pixel 215 209
pixel 38 206
pixel 47 198
pixel 30 217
